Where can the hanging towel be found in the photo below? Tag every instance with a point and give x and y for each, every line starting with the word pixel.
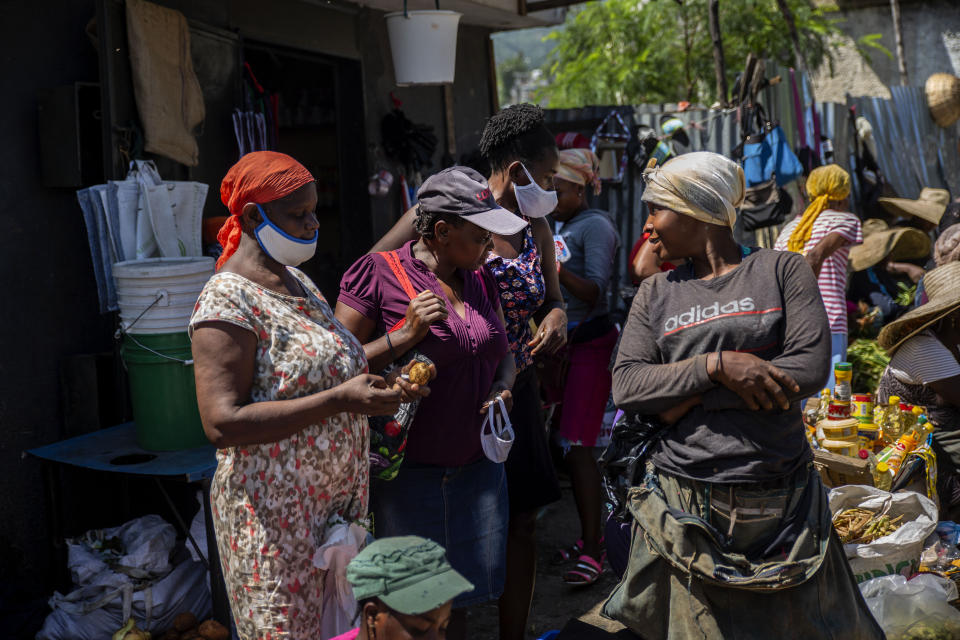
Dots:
pixel 168 94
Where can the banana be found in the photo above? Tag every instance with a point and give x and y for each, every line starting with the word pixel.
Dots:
pixel 124 630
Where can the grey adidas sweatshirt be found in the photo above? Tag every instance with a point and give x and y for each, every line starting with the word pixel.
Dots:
pixel 770 306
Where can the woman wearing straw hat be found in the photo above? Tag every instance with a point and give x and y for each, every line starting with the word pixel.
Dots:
pixel 824 235
pixel 879 265
pixel 923 213
pixel 925 370
pixel 732 534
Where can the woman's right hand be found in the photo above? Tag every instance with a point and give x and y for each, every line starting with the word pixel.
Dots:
pixel 369 395
pixel 759 383
pixel 423 311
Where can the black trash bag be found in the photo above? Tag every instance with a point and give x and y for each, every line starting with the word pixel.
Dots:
pixel 622 463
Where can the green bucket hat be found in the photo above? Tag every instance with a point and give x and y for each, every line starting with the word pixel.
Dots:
pixel 409 574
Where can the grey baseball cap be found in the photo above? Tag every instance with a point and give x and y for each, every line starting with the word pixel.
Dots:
pixel 464 192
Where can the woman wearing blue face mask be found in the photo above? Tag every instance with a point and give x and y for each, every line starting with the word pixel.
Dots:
pixel 283 392
pixel 523 158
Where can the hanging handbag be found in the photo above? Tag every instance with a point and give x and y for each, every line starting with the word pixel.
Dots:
pixel 765 205
pixel 766 154
pixel 388 434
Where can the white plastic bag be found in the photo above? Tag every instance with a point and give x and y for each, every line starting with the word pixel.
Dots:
pixel 122 572
pixel 913 609
pixel 898 553
pixel 343 542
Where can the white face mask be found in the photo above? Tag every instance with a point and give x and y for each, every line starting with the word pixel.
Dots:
pixel 281 246
pixel 496 434
pixel 534 202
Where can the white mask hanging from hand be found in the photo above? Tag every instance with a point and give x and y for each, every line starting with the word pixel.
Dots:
pixel 281 246
pixel 496 434
pixel 534 201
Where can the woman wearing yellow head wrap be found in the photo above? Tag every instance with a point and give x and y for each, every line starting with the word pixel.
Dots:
pixel 825 185
pixel 824 234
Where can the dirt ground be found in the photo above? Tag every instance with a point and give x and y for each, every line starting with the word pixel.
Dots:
pixel 554 603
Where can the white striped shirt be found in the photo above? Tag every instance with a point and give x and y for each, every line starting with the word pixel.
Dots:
pixel 923 359
pixel 833 273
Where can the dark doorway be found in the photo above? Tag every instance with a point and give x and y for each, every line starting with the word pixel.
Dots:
pixel 320 123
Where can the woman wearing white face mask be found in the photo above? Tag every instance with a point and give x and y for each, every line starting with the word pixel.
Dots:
pixel 283 392
pixel 523 159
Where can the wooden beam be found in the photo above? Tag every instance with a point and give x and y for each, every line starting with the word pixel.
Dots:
pixel 719 63
pixel 542 5
pixel 898 38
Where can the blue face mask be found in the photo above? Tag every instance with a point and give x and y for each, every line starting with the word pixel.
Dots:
pixel 281 246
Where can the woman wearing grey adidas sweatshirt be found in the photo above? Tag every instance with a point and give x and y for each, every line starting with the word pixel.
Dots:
pixel 723 350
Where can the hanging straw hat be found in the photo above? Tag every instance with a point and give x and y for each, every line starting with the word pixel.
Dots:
pixel 880 241
pixel 943 98
pixel 929 206
pixel 942 286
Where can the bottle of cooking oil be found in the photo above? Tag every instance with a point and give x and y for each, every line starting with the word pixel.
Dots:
pixel 892 425
pixel 881 477
pixel 824 405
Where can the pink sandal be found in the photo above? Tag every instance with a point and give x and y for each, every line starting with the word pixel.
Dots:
pixel 586 572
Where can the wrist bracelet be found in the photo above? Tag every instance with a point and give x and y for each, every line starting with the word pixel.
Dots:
pixel 393 354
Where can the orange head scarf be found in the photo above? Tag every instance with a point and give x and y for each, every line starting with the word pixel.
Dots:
pixel 259 177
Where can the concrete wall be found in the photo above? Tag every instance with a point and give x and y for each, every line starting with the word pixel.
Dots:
pixel 931 40
pixel 49 293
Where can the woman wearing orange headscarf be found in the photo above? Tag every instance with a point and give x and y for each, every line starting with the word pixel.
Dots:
pixel 283 392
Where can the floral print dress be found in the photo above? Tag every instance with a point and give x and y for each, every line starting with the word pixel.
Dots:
pixel 522 292
pixel 273 503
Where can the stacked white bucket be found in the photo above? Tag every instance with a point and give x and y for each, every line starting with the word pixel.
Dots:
pixel 157 297
pixel 161 292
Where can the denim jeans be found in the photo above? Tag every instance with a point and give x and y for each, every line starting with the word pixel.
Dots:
pixel 463 509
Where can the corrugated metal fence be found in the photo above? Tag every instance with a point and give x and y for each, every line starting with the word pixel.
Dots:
pixel 913 152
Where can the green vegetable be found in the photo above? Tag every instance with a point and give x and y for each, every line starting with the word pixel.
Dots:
pixel 868 361
pixel 905 294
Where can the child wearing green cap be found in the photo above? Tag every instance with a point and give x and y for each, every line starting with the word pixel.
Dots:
pixel 405 588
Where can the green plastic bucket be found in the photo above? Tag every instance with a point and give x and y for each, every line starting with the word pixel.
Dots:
pixel 160 369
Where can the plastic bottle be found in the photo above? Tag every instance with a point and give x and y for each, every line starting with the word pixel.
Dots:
pixel 843 390
pixel 892 426
pixel 882 478
pixel 904 445
pixel 824 405
pixel 908 419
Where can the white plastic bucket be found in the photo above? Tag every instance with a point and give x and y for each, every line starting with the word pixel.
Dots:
pixel 161 292
pixel 424 46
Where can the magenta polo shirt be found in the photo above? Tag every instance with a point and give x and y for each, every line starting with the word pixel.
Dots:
pixel 466 351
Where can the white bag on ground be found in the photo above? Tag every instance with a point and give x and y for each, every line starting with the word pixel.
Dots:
pixel 122 572
pixel 918 608
pixel 899 552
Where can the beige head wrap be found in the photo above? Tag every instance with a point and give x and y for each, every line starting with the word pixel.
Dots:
pixel 703 185
pixel 580 166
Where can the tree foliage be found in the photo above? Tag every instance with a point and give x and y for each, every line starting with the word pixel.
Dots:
pixel 636 51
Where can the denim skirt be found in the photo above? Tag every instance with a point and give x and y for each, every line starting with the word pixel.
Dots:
pixel 464 509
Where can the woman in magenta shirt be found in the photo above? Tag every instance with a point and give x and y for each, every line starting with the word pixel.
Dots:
pixel 447 489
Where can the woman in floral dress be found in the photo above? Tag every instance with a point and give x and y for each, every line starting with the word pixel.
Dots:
pixel 283 391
